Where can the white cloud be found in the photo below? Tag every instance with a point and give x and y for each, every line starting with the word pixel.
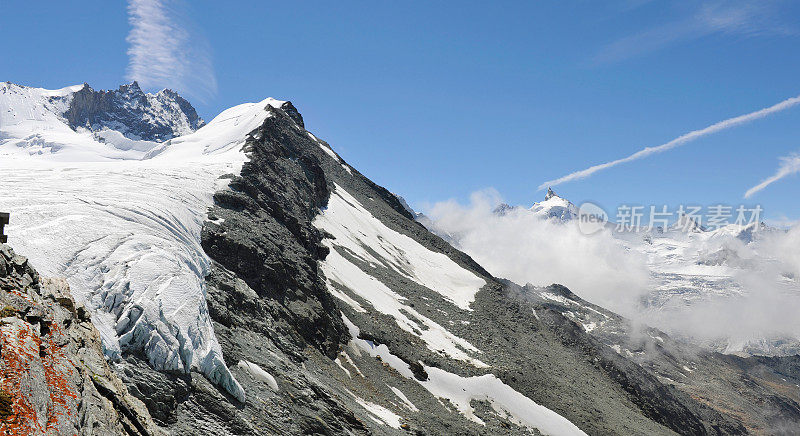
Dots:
pixel 165 52
pixel 523 248
pixel 789 165
pixel 681 140
pixel 741 18
pixel 782 222
pixel 766 310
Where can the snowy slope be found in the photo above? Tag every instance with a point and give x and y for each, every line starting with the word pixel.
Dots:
pixel 32 123
pixel 356 232
pixel 124 227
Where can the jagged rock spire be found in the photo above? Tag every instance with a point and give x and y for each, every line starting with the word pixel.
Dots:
pixel 550 194
pixel 132 112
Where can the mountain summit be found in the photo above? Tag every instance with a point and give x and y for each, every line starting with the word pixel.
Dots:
pixel 73 123
pixel 555 207
pixel 132 112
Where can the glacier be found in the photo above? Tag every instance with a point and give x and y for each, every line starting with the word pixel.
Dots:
pixel 122 223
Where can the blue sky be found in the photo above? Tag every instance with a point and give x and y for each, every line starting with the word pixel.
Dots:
pixel 436 101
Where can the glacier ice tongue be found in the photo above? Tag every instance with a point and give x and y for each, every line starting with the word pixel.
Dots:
pixel 126 234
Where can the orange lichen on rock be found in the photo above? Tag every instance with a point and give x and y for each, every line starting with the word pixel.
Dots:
pixel 58 373
pixel 18 349
pixel 37 374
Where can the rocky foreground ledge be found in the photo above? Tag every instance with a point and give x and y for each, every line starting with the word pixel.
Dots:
pixel 53 377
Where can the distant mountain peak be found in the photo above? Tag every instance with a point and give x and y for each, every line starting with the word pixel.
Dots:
pixel 688 223
pixel 555 207
pixel 503 209
pixel 132 87
pixel 132 112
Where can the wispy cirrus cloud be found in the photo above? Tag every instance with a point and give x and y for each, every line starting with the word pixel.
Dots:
pixel 166 52
pixel 677 142
pixel 789 165
pixel 742 18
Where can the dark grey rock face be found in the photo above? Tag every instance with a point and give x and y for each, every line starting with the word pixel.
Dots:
pixel 268 300
pixel 267 239
pixel 3 221
pixel 132 112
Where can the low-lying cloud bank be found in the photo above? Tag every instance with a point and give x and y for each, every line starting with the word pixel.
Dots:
pixel 762 319
pixel 521 247
pixel 525 249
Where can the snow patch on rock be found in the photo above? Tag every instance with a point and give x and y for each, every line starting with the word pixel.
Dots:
pixel 354 229
pixel 378 413
pixel 404 399
pixel 258 373
pixel 461 391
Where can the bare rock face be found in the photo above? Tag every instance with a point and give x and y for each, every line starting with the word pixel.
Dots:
pixel 134 113
pixel 54 379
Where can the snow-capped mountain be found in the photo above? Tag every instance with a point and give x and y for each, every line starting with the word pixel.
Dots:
pixel 132 112
pixel 687 224
pixel 124 228
pixel 79 123
pixel 694 269
pixel 691 267
pixel 555 207
pixel 247 280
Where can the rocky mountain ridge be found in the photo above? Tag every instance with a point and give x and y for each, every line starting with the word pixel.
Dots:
pixel 132 112
pixel 77 122
pixel 335 312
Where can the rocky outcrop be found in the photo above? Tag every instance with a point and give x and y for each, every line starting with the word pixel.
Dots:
pixel 54 379
pixel 266 239
pixel 134 113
